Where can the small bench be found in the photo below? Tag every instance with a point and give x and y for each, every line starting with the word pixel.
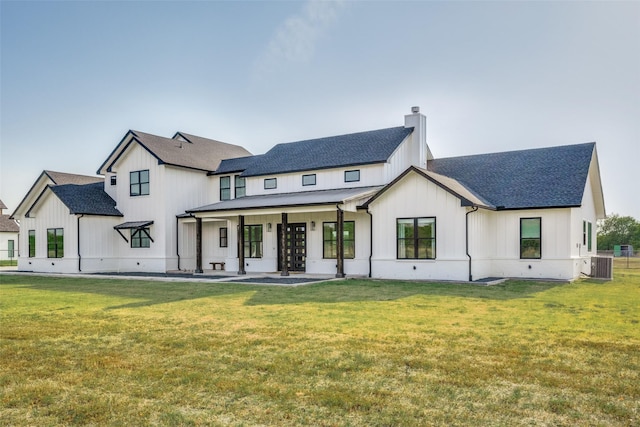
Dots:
pixel 214 265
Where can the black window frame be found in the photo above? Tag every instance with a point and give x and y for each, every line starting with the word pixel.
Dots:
pixel 269 180
pixel 308 176
pixel 225 188
pixel 589 236
pixel 530 239
pixel 223 237
pixel 31 239
pixel 140 236
pixel 139 184
pixel 348 242
pixel 239 183
pixel 416 239
pixel 251 242
pixel 114 180
pixel 354 171
pixel 11 248
pixel 57 245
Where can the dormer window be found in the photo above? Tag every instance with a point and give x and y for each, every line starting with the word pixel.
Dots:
pixel 139 183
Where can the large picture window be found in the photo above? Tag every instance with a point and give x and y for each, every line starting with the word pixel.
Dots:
pixel 253 241
pixel 241 186
pixel 330 240
pixel 139 183
pixel 225 188
pixel 55 242
pixel 416 238
pixel 530 238
pixel 32 243
pixel 140 238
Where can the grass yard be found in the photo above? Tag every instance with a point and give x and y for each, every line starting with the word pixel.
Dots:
pixel 349 353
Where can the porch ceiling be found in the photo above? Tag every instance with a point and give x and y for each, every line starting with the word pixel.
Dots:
pixel 305 201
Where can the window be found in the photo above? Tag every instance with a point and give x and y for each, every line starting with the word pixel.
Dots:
pixel 530 240
pixel 309 179
pixel 253 241
pixel 139 183
pixel 270 183
pixel 55 242
pixel 330 239
pixel 32 243
pixel 589 239
pixel 113 180
pixel 225 188
pixel 416 238
pixel 241 186
pixel 11 248
pixel 140 238
pixel 352 176
pixel 223 237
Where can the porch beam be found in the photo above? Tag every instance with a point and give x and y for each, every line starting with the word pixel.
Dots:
pixel 199 245
pixel 284 267
pixel 241 269
pixel 340 243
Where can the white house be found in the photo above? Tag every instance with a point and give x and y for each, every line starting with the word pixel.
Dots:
pixel 9 230
pixel 374 203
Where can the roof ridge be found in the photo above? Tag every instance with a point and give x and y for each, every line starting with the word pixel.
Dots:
pixel 522 150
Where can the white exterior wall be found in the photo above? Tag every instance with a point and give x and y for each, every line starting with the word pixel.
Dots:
pixel 482 242
pixel 587 212
pixel 99 243
pixel 5 236
pixel 326 179
pixel 411 197
pixel 50 213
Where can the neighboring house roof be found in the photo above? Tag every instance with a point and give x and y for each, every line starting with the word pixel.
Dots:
pixel 238 164
pixel 183 150
pixel 304 198
pixel 7 225
pixel 60 178
pixel 332 152
pixel 535 178
pixel 87 199
pixel 2 205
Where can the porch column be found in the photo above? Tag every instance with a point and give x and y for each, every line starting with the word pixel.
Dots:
pixel 241 269
pixel 284 267
pixel 199 245
pixel 340 243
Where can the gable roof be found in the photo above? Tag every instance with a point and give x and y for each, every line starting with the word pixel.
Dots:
pixel 535 178
pixel 331 152
pixel 47 178
pixel 238 164
pixel 2 205
pixel 8 225
pixel 87 199
pixel 183 150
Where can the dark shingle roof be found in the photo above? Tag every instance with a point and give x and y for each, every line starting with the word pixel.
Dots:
pixel 8 225
pixel 88 199
pixel 336 151
pixel 238 164
pixel 536 178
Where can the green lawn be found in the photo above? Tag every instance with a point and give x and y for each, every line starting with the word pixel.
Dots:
pixel 347 353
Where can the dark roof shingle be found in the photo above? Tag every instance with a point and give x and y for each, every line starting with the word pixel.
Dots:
pixel 88 199
pixel 536 178
pixel 331 152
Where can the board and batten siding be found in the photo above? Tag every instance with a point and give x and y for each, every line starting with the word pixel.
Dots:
pixel 412 197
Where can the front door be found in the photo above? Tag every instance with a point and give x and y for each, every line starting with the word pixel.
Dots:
pixel 296 247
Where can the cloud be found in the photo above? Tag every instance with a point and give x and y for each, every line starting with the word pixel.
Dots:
pixel 295 40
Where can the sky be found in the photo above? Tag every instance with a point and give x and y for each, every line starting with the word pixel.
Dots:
pixel 75 76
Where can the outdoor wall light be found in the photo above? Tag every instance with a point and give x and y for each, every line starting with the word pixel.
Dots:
pixel 313 225
pixel 268 226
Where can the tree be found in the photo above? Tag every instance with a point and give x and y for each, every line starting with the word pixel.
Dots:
pixel 618 230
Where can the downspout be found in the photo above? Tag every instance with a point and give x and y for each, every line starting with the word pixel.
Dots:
pixel 177 240
pixel 79 256
pixel 370 239
pixel 466 219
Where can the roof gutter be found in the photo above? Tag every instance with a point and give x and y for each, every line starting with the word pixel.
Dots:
pixel 466 231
